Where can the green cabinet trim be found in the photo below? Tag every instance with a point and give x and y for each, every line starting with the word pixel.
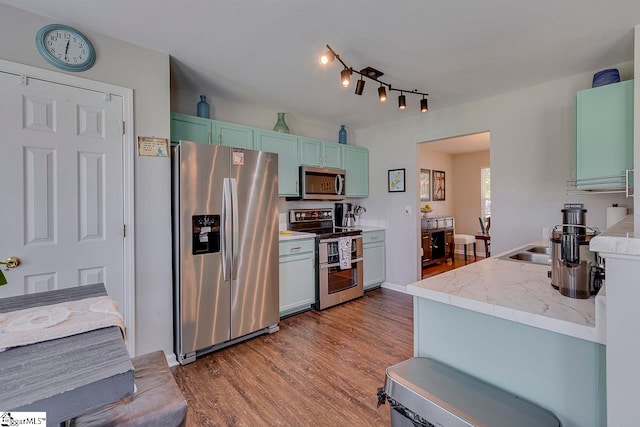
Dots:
pixel 297 276
pixel 356 162
pixel 293 151
pixel 373 263
pixel 232 135
pixel 604 134
pixel 314 152
pixel 286 146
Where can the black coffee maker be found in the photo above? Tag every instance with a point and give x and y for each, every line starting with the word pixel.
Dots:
pixel 343 214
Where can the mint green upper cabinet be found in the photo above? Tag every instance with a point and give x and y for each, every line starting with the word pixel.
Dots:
pixel 604 134
pixel 190 128
pixel 314 152
pixel 356 162
pixel 286 146
pixel 232 135
pixel 332 155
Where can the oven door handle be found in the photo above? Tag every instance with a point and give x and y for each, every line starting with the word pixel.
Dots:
pixel 337 264
pixel 338 239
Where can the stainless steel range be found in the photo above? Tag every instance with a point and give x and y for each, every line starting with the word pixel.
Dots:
pixel 335 283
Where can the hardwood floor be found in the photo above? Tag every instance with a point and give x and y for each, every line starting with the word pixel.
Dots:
pixel 322 368
pixel 458 261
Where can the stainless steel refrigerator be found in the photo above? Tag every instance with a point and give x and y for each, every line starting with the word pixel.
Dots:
pixel 225 234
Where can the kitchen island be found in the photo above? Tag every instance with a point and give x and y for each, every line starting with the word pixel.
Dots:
pixel 501 321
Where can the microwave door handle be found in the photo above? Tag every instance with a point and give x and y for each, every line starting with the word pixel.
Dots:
pixel 338 184
pixel 226 229
pixel 235 224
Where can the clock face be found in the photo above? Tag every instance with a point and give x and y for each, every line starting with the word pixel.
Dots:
pixel 65 48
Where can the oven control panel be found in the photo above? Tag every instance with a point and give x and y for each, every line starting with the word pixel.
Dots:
pixel 307 215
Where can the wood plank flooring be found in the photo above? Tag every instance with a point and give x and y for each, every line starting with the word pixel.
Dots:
pixel 458 261
pixel 321 369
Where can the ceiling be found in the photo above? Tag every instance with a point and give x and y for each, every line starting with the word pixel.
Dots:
pixel 265 53
pixel 459 144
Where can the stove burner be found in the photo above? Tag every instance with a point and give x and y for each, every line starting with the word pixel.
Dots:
pixel 320 222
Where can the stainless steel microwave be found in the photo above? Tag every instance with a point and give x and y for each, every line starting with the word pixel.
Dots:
pixel 322 183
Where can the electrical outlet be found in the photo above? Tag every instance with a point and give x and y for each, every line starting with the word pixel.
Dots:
pixel 407 209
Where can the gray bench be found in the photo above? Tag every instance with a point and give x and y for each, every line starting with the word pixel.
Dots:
pixel 157 401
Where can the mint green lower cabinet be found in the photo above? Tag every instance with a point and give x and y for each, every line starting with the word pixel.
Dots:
pixel 355 161
pixel 297 275
pixel 190 128
pixel 232 135
pixel 604 134
pixel 373 263
pixel 563 374
pixel 286 146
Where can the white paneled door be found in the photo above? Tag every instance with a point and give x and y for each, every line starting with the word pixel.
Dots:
pixel 61 186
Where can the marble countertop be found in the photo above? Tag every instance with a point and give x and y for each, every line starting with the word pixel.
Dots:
pixel 618 239
pixel 295 235
pixel 517 291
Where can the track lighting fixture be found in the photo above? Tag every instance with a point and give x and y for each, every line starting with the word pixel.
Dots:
pixel 327 57
pixel 345 77
pixel 359 86
pixel 424 106
pixel 382 94
pixel 373 74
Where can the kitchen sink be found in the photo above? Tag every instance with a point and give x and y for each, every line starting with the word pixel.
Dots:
pixel 531 254
pixel 540 250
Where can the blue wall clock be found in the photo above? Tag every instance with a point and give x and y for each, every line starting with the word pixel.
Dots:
pixel 65 47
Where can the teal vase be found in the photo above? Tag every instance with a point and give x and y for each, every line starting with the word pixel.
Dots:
pixel 203 107
pixel 342 135
pixel 281 125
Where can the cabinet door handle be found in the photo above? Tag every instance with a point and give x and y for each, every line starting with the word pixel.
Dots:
pixel 296 249
pixel 626 185
pixel 219 139
pixel 209 137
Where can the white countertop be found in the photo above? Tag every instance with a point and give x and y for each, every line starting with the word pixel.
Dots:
pixel 618 239
pixel 295 235
pixel 517 291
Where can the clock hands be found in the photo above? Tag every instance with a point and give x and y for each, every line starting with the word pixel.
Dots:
pixel 66 50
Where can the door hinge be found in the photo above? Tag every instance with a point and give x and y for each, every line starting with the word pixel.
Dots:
pixel 124 230
pixel 24 80
pixel 123 127
pixel 107 96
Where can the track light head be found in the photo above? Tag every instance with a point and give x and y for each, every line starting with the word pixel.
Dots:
pixel 345 77
pixel 402 101
pixel 327 57
pixel 382 94
pixel 359 86
pixel 424 106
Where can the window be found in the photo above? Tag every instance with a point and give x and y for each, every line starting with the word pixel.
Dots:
pixel 485 192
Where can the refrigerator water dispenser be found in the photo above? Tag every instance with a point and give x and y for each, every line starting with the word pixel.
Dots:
pixel 206 234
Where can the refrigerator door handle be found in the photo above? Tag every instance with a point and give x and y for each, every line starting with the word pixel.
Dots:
pixel 226 227
pixel 235 224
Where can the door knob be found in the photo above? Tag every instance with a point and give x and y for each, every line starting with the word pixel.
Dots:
pixel 11 262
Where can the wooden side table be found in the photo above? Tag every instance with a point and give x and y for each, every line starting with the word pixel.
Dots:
pixel 487 242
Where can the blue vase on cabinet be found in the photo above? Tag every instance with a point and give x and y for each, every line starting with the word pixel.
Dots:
pixel 342 135
pixel 203 107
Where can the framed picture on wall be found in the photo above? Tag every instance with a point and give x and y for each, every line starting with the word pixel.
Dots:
pixel 425 185
pixel 396 180
pixel 438 185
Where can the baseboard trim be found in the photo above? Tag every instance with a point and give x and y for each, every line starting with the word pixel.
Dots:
pixel 394 287
pixel 171 359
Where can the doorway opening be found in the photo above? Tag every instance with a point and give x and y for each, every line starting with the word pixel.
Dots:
pixel 454 199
